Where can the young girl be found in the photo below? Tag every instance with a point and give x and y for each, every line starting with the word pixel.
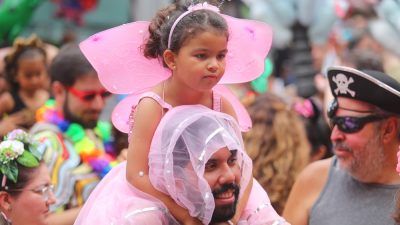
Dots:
pixel 196 57
pixel 192 43
pixel 26 75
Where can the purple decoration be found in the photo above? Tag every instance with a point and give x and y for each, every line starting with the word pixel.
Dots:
pixel 109 148
pixel 98 164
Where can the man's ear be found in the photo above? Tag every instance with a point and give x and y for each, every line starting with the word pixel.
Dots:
pixel 58 90
pixel 169 59
pixel 390 130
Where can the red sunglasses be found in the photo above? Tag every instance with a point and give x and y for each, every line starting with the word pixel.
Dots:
pixel 88 96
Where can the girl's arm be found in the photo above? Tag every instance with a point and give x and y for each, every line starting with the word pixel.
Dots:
pixel 147 117
pixel 228 109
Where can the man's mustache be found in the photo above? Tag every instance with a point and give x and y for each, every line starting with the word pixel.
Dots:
pixel 342 145
pixel 226 187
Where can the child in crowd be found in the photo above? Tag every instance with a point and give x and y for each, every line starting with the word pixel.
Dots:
pixel 26 75
pixel 193 44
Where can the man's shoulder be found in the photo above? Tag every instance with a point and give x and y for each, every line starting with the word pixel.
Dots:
pixel 316 172
pixel 312 179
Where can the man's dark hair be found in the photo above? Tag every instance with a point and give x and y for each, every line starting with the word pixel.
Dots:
pixel 69 65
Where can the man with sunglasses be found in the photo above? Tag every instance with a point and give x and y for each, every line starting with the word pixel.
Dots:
pixel 358 185
pixel 77 143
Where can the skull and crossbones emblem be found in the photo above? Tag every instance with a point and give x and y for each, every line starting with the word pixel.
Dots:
pixel 342 84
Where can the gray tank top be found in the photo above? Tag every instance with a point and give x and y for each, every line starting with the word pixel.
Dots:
pixel 345 201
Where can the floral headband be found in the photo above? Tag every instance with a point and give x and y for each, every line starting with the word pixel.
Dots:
pixel 17 147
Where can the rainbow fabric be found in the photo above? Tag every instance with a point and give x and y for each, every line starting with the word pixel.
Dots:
pixel 100 161
pixel 77 158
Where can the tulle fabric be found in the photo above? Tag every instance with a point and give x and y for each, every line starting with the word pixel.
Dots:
pixel 186 144
pixel 259 210
pixel 185 139
pixel 115 202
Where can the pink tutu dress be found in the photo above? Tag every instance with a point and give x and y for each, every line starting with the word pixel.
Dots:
pixel 115 201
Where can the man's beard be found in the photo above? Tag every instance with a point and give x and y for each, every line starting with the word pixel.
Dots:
pixel 68 115
pixel 368 161
pixel 224 213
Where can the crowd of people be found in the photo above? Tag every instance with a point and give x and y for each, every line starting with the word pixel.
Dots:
pixel 181 146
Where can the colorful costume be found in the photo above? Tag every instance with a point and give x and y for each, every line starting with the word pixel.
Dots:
pixel 76 157
pixel 184 141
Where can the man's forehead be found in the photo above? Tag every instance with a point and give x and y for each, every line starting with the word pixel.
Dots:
pixel 354 104
pixel 223 153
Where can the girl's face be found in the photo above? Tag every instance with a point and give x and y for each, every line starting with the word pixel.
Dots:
pixel 31 206
pixel 200 62
pixel 32 74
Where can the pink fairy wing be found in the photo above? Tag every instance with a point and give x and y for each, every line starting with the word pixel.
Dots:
pixel 248 46
pixel 117 56
pixel 121 112
pixel 243 116
pixel 118 59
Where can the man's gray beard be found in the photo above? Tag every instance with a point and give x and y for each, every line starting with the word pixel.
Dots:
pixel 370 162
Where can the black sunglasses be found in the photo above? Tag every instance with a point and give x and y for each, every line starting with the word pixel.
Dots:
pixel 350 124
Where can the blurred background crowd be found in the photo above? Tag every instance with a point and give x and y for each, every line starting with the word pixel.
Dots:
pixel 287 103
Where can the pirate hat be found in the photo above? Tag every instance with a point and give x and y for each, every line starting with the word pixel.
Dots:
pixel 369 86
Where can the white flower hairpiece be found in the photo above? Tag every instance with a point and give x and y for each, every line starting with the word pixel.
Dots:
pixel 10 150
pixel 17 147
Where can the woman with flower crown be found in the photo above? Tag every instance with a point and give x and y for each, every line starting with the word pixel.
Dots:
pixel 26 190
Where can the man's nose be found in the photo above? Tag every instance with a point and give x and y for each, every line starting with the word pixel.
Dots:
pixel 227 176
pixel 98 102
pixel 336 134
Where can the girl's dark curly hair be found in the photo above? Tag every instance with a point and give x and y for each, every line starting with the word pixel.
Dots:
pixel 22 48
pixel 190 25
